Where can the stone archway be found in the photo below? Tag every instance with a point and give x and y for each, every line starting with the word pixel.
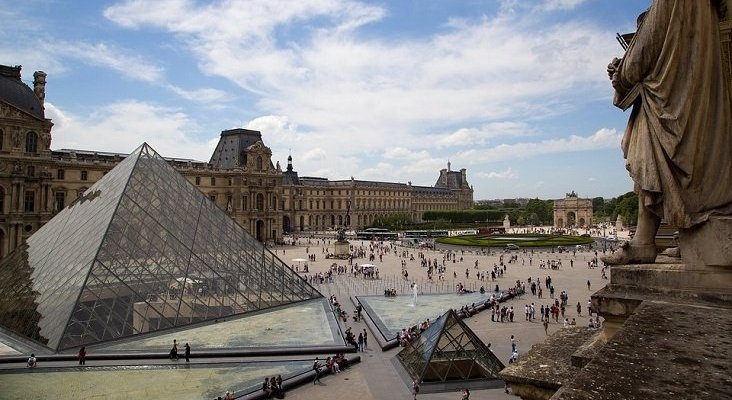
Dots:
pixel 286 224
pixel 572 211
pixel 302 223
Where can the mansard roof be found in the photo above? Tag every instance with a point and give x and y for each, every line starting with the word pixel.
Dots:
pixel 16 93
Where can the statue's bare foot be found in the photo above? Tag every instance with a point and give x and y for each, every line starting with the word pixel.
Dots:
pixel 672 252
pixel 630 253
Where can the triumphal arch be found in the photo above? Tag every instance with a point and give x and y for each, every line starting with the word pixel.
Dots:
pixel 572 211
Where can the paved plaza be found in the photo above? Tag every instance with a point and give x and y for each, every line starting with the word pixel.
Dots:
pixel 376 376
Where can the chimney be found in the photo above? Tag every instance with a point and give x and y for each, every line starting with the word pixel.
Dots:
pixel 39 86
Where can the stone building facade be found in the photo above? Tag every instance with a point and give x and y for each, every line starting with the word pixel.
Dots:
pixel 36 182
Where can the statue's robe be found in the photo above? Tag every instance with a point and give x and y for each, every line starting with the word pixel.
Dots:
pixel 678 142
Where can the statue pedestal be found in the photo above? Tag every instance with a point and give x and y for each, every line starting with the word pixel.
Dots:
pixel 342 249
pixel 709 245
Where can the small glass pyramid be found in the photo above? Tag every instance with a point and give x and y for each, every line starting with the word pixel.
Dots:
pixel 449 351
pixel 142 250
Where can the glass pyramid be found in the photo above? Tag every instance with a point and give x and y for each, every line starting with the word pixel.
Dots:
pixel 448 351
pixel 142 250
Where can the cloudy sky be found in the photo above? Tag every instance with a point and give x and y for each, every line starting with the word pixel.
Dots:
pixel 515 91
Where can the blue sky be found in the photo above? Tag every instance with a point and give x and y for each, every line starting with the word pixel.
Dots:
pixel 515 91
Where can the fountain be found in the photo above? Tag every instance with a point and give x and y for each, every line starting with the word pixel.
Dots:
pixel 414 291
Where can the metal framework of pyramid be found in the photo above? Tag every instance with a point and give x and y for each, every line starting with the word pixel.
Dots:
pixel 141 251
pixel 449 351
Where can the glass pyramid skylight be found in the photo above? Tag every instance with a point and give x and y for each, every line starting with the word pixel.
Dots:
pixel 142 250
pixel 447 351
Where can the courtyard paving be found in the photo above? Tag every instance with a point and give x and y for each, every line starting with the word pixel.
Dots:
pixel 376 376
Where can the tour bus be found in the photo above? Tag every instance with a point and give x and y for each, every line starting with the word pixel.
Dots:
pixel 462 232
pixel 376 234
pixel 425 234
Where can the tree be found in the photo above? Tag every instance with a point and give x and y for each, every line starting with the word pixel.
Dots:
pixel 542 209
pixel 598 206
pixel 628 208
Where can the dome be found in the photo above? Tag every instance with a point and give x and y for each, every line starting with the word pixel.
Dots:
pixel 16 93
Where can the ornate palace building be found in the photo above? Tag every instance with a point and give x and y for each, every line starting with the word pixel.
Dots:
pixel 36 182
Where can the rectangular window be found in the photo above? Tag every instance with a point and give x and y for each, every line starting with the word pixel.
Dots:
pixel 30 171
pixel 213 181
pixel 60 201
pixel 30 201
pixel 231 181
pixel 84 175
pixel 60 174
pixel 198 180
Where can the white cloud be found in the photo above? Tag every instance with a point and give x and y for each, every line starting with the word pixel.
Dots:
pixel 203 96
pixel 603 138
pixel 403 153
pixel 354 94
pixel 109 56
pixel 123 126
pixel 551 5
pixel 482 135
pixel 508 173
pixel 315 154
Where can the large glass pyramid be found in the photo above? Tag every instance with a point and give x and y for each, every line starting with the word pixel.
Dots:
pixel 449 351
pixel 142 250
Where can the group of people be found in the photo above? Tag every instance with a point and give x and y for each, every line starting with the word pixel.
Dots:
pixel 360 343
pixel 333 364
pixel 272 388
pixel 173 354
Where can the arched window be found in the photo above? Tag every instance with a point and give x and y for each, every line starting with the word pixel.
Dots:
pixel 259 163
pixel 31 142
pixel 260 201
pixel 2 139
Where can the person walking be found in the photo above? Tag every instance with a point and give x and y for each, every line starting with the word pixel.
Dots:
pixel 317 366
pixel 415 388
pixel 187 352
pixel 365 339
pixel 82 355
pixel 360 342
pixel 174 351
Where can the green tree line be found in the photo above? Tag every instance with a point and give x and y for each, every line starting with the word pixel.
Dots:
pixel 534 212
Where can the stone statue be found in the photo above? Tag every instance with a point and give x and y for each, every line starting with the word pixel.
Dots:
pixel 17 138
pixel 341 234
pixel 45 139
pixel 677 142
pixel 39 85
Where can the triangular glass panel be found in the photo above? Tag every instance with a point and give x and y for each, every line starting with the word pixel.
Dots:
pixel 449 351
pixel 142 250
